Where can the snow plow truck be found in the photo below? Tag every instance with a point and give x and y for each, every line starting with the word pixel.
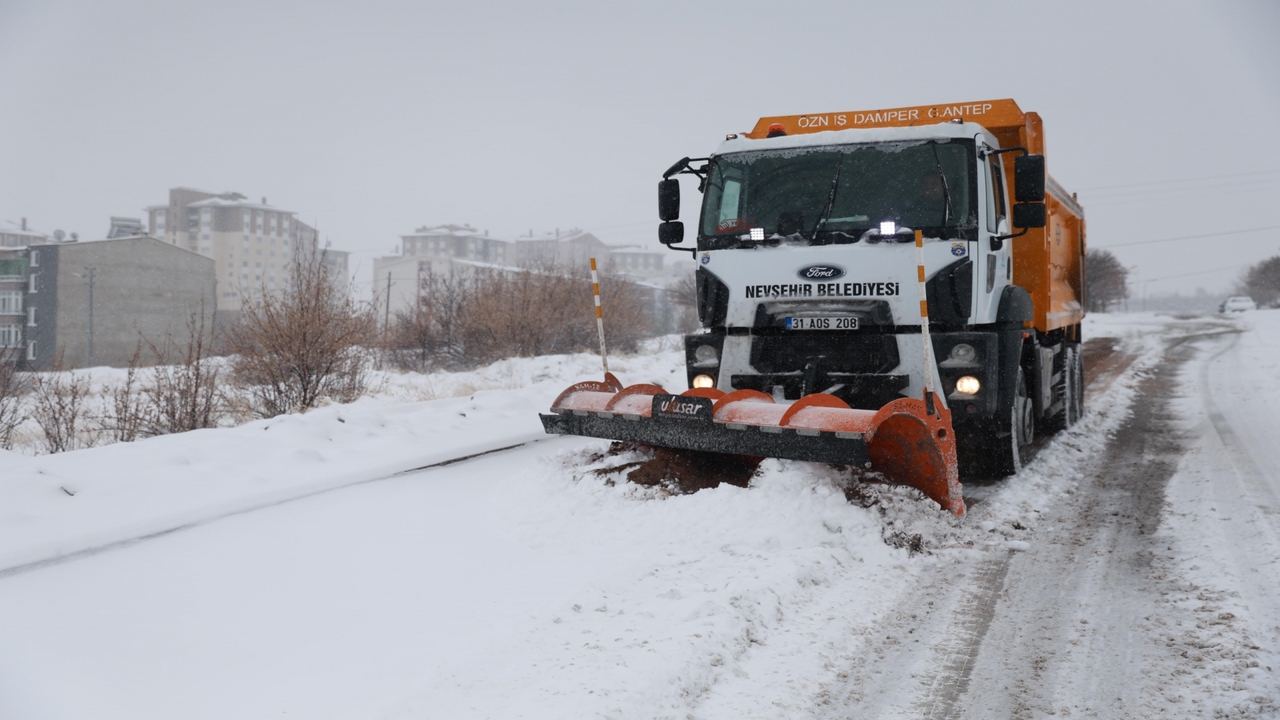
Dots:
pixel 898 290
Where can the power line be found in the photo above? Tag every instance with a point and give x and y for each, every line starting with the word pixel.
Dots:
pixel 1198 272
pixel 1184 180
pixel 1190 237
pixel 1117 198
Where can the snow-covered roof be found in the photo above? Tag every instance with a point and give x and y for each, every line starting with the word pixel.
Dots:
pixel 634 250
pixel 558 236
pixel 10 227
pixel 219 202
pixel 449 230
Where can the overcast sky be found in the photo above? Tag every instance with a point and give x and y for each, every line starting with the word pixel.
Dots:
pixel 371 119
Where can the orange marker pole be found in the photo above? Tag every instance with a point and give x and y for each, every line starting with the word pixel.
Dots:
pixel 924 325
pixel 595 288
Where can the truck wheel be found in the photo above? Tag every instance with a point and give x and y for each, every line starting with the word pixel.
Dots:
pixel 1070 387
pixel 1073 376
pixel 1079 378
pixel 1011 451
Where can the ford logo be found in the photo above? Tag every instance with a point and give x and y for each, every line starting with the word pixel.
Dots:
pixel 821 272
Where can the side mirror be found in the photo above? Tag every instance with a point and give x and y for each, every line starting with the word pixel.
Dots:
pixel 1028 179
pixel 671 233
pixel 668 199
pixel 1028 215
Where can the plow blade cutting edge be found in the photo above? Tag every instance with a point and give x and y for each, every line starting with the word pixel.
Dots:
pixel 903 440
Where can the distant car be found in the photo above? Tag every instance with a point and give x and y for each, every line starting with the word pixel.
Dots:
pixel 1239 303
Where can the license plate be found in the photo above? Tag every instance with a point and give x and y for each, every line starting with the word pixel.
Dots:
pixel 822 323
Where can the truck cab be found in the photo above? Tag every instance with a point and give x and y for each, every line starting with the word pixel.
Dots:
pixel 808 278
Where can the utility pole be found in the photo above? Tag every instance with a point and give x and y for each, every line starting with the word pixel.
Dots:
pixel 386 318
pixel 89 349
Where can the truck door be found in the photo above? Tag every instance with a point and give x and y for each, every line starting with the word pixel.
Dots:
pixel 993 267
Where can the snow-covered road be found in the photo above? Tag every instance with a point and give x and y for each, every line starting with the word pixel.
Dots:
pixel 1129 571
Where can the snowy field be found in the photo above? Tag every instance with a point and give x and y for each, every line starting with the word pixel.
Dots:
pixel 307 566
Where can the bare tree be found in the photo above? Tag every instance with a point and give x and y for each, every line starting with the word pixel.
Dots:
pixel 485 315
pixel 549 309
pixel 1106 281
pixel 13 386
pixel 126 415
pixel 59 408
pixel 182 392
pixel 1262 282
pixel 307 343
pixel 429 334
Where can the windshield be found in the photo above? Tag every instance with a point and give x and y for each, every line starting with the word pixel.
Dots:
pixel 835 194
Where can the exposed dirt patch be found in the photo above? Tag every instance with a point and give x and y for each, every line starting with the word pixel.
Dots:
pixel 682 471
pixel 1103 363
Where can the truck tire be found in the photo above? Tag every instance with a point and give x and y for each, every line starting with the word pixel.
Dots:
pixel 1070 387
pixel 1011 452
pixel 1079 378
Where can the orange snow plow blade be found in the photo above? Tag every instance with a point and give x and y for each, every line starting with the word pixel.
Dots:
pixel 903 440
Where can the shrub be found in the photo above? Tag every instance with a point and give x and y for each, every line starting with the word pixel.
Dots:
pixel 294 348
pixel 13 386
pixel 60 402
pixel 480 316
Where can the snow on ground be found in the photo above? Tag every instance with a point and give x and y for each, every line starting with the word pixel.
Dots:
pixel 58 504
pixel 1222 521
pixel 519 584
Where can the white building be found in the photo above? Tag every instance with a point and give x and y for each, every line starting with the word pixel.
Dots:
pixel 15 235
pixel 253 245
pixel 405 280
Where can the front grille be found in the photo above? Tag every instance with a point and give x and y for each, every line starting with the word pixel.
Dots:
pixel 831 351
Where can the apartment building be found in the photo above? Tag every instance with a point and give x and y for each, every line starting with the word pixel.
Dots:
pixel 13 312
pixel 337 262
pixel 252 244
pixel 574 247
pixel 461 242
pixel 18 235
pixel 637 262
pixel 404 280
pixel 91 303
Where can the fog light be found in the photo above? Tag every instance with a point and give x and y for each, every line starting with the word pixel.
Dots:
pixel 968 385
pixel 963 352
pixel 705 354
pixel 704 381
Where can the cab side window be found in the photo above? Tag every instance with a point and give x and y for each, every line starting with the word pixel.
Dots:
pixel 995 194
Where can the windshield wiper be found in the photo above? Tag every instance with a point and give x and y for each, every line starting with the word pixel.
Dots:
pixel 831 200
pixel 946 189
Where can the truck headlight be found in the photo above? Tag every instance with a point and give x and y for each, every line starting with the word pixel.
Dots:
pixel 963 352
pixel 968 385
pixel 704 381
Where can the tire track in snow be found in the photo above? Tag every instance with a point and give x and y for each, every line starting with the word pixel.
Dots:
pixel 1241 456
pixel 1086 573
pixel 244 510
pixel 1105 363
pixel 976 595
pixel 961 646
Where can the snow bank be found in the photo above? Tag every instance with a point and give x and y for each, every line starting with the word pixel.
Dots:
pixel 60 504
